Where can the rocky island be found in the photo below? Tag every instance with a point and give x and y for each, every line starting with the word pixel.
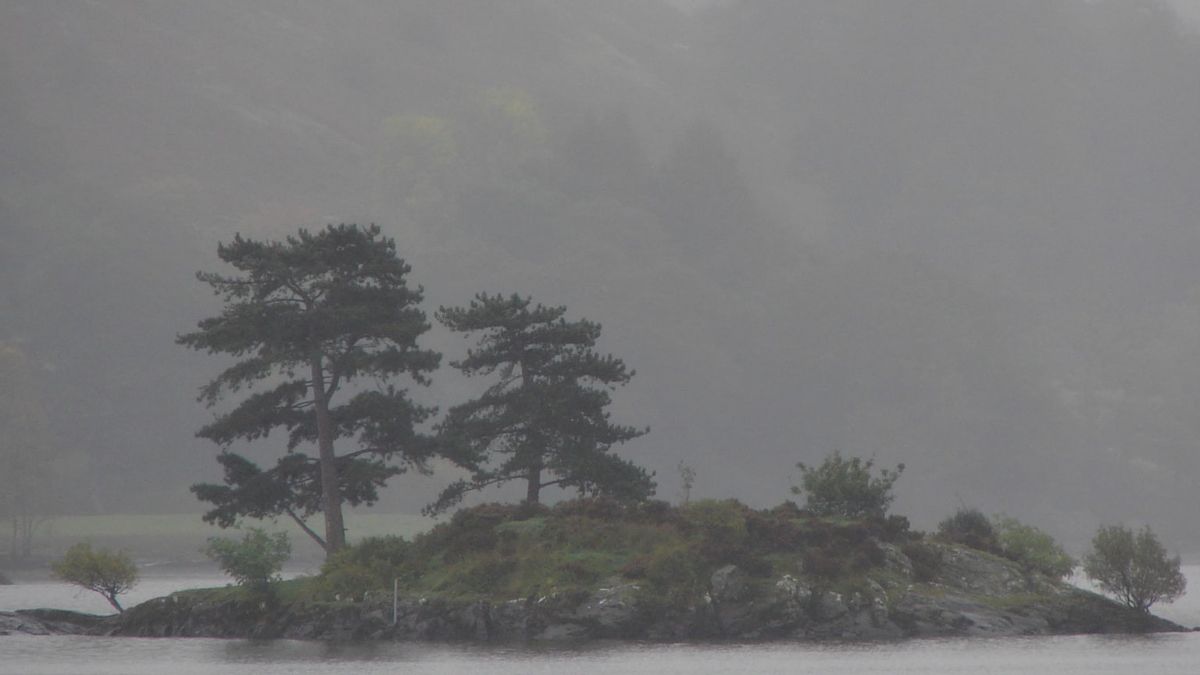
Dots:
pixel 597 569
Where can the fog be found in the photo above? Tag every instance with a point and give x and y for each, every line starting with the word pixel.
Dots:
pixel 959 235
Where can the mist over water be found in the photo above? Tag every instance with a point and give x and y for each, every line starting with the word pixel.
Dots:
pixel 959 235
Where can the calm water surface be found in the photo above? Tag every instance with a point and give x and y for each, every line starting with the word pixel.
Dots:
pixel 1176 654
pixel 1158 655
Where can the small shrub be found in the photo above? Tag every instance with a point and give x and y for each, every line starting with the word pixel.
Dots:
pixel 788 509
pixel 845 487
pixel 721 526
pixel 1033 548
pixel 824 563
pixel 1134 567
pixel 675 577
pixel 926 559
pixel 895 528
pixel 389 550
pixel 489 574
pixel 687 478
pixel 527 510
pixel 348 580
pixel 775 532
pixel 255 561
pixel 105 572
pixel 370 564
pixel 867 555
pixel 970 528
pixel 654 511
pixel 600 508
pixel 469 531
pixel 577 572
pixel 636 568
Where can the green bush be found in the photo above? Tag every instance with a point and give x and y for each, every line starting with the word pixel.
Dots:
pixel 776 531
pixel 895 528
pixel 255 561
pixel 970 528
pixel 105 572
pixel 925 557
pixel 675 577
pixel 1033 548
pixel 371 564
pixel 488 574
pixel 1134 567
pixel 721 526
pixel 825 563
pixel 845 487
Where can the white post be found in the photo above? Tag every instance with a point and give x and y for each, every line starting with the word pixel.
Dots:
pixel 395 600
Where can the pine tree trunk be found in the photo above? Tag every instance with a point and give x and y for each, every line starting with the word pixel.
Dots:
pixel 331 497
pixel 534 473
pixel 534 476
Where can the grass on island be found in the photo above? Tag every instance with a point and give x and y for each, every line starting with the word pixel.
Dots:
pixel 503 552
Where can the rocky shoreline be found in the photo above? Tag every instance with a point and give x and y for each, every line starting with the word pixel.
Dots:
pixel 973 594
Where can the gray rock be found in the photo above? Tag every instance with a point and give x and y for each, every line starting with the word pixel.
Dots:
pixel 980 573
pixel 611 611
pixel 829 606
pixel 895 561
pixel 953 614
pixel 12 622
pixel 728 584
pixel 563 632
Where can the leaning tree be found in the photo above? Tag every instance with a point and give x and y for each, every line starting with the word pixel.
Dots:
pixel 543 420
pixel 317 325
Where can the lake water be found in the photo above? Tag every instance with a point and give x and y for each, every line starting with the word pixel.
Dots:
pixel 1105 655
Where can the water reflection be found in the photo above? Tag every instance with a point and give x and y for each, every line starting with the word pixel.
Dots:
pixel 1117 655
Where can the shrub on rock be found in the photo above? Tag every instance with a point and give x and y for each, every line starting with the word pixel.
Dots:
pixel 106 572
pixel 1134 567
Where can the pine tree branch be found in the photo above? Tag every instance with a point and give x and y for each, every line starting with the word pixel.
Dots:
pixel 304 526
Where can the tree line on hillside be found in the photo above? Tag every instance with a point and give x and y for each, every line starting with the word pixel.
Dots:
pixel 323 324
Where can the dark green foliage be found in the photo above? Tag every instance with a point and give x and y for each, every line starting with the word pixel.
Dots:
pixel 105 572
pixel 823 563
pixel 1034 549
pixel 926 559
pixel 778 531
pixel 841 558
pixel 543 420
pixel 506 551
pixel 720 528
pixel 845 487
pixel 472 530
pixel 1134 567
pixel 488 573
pixel 895 528
pixel 255 561
pixel 609 508
pixel 370 564
pixel 676 577
pixel 306 318
pixel 970 528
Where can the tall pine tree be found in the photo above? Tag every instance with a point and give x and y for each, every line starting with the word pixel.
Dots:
pixel 306 320
pixel 543 420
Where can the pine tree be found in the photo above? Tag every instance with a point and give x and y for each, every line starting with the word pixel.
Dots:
pixel 307 319
pixel 543 420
